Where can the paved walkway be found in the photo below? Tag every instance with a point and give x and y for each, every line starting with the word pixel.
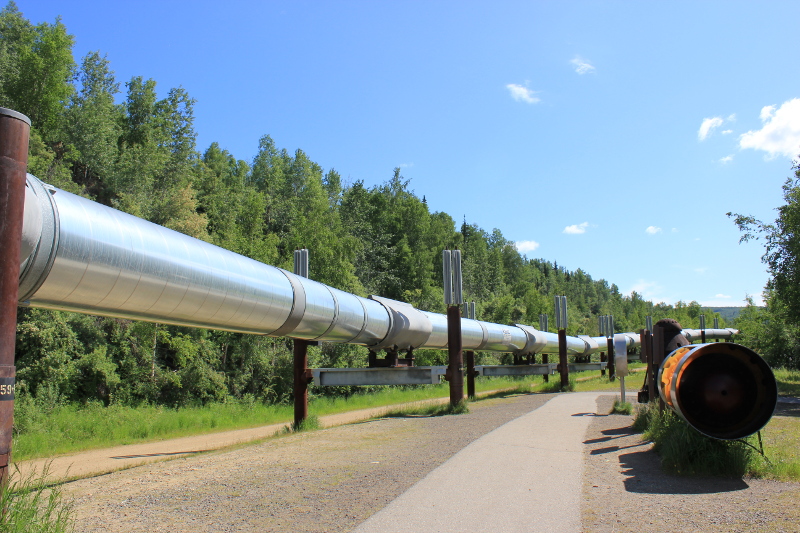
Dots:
pixel 525 476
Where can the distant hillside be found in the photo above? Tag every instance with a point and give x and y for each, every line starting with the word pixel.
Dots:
pixel 728 313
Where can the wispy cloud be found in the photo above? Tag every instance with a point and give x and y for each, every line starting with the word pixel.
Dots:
pixel 700 270
pixel 780 134
pixel 726 159
pixel 522 94
pixel 649 290
pixel 722 296
pixel 726 132
pixel 708 125
pixel 582 66
pixel 652 230
pixel 405 165
pixel 576 229
pixel 526 246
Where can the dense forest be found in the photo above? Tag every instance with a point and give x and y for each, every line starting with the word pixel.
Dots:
pixel 131 146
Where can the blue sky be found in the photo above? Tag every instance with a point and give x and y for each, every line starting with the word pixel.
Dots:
pixel 608 136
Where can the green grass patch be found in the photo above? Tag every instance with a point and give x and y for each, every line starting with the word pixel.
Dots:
pixel 621 408
pixel 32 506
pixel 309 424
pixel 685 451
pixel 48 430
pixel 788 381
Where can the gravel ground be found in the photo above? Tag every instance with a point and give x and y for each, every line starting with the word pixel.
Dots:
pixel 331 480
pixel 626 491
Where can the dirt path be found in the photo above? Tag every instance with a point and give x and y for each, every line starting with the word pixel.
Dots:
pixel 333 479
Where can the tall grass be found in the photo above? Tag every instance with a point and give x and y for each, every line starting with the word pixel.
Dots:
pixel 788 381
pixel 32 506
pixel 683 450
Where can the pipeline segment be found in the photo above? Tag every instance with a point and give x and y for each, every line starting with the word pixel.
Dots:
pixel 85 257
pixel 723 390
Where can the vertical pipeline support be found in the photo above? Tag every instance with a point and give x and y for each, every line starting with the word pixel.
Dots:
pixel 610 367
pixel 563 365
pixel 647 346
pixel 455 375
pixel 658 356
pixel 14 136
pixel 470 355
pixel 300 354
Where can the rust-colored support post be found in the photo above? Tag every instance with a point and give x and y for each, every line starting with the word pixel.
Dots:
pixel 470 374
pixel 652 370
pixel 703 336
pixel 603 359
pixel 545 360
pixel 658 357
pixel 300 352
pixel 455 374
pixel 563 364
pixel 610 349
pixel 14 136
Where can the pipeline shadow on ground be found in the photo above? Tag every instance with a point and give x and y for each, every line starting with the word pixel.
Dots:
pixel 645 476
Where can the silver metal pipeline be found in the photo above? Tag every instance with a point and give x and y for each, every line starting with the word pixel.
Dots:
pixel 81 256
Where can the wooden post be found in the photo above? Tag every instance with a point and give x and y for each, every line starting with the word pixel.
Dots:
pixel 562 358
pixel 300 352
pixel 14 135
pixel 455 374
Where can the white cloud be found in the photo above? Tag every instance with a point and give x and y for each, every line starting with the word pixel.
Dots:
pixel 652 230
pixel 406 165
pixel 727 296
pixel 726 132
pixel 576 229
pixel 526 246
pixel 781 132
pixel 582 66
pixel 700 270
pixel 674 230
pixel 726 159
pixel 708 126
pixel 732 117
pixel 522 94
pixel 649 290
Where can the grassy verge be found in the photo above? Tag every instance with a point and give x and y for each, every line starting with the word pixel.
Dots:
pixel 61 429
pixel 788 381
pixel 683 450
pixel 32 506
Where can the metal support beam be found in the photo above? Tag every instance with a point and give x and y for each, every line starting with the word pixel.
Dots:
pixel 455 374
pixel 410 375
pixel 516 370
pixel 301 379
pixel 470 374
pixel 610 350
pixel 14 135
pixel 562 358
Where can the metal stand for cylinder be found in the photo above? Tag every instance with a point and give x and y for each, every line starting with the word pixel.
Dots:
pixel 14 135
